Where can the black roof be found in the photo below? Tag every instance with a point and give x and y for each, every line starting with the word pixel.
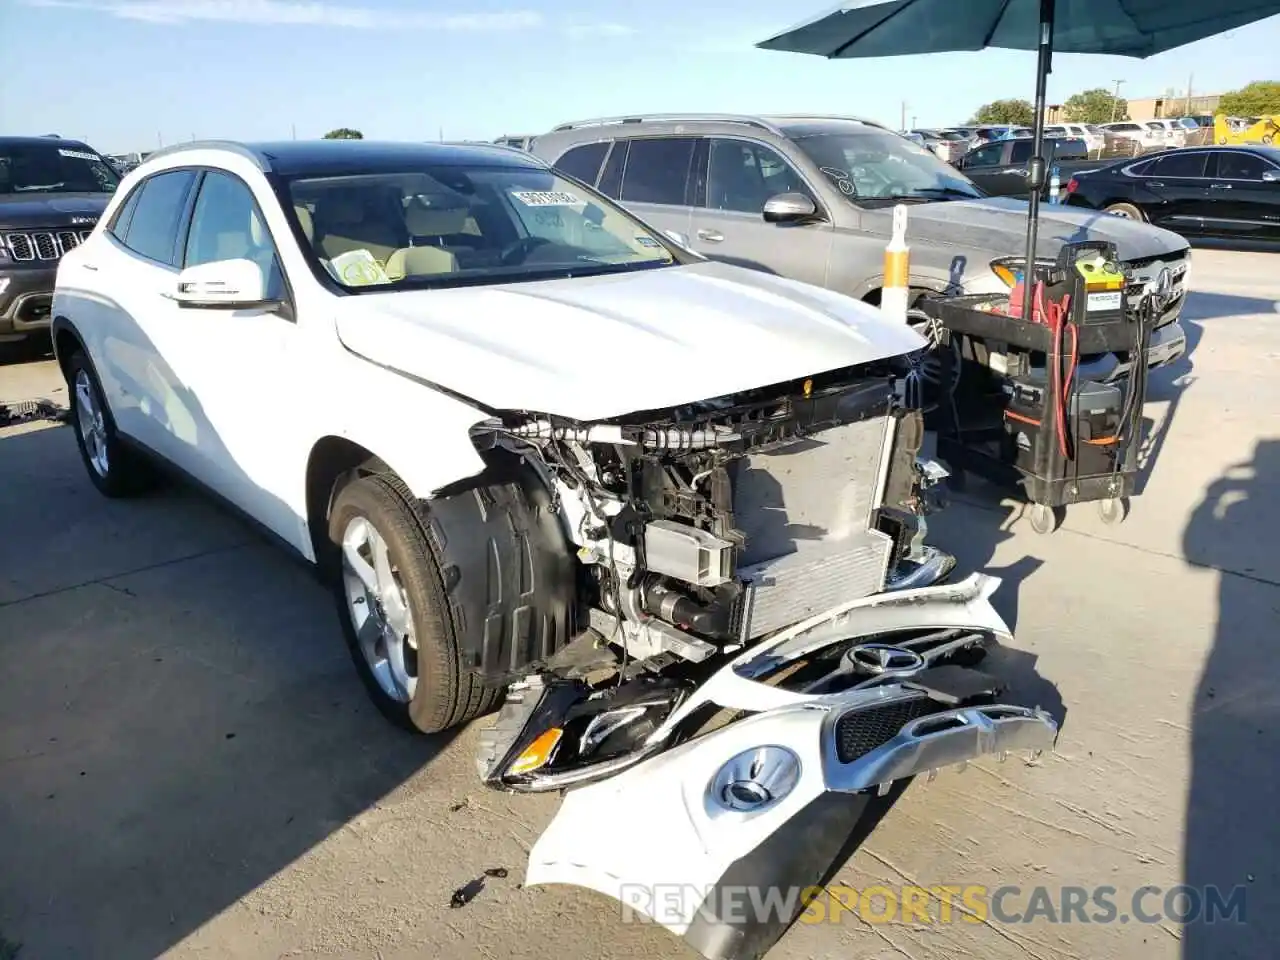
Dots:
pixel 327 157
pixel 45 140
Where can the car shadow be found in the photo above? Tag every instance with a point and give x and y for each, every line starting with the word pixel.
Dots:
pixel 29 349
pixel 179 716
pixel 1231 830
pixel 171 736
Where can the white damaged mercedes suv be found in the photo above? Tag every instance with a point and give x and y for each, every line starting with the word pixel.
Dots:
pixel 531 441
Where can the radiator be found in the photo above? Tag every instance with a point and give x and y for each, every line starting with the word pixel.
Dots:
pixel 807 511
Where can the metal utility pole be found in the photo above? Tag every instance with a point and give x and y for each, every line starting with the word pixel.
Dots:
pixel 293 131
pixel 904 116
pixel 1115 100
pixel 1190 79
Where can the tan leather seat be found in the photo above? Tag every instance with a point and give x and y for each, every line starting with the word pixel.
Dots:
pixel 428 222
pixel 351 220
pixel 420 262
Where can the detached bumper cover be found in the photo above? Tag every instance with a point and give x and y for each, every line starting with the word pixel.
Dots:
pixel 748 817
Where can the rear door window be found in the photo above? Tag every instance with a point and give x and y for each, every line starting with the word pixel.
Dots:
pixel 1020 153
pixel 583 163
pixel 153 228
pixel 1178 164
pixel 658 170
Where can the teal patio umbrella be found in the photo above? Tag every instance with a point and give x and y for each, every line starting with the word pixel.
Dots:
pixel 1129 28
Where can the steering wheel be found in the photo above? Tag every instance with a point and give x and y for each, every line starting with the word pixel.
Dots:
pixel 519 250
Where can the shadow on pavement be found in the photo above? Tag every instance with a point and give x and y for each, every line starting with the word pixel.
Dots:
pixel 170 737
pixel 1232 831
pixel 38 347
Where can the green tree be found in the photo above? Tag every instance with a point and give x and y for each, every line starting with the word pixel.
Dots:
pixel 1098 105
pixel 1018 112
pixel 344 133
pixel 1257 99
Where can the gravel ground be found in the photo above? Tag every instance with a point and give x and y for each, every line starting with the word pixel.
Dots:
pixel 188 766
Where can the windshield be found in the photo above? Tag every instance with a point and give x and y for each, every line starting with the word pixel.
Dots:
pixel 450 225
pixel 873 167
pixel 952 135
pixel 51 168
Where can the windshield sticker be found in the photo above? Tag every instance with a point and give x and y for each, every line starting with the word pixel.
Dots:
pixel 547 198
pixel 359 268
pixel 648 242
pixel 76 154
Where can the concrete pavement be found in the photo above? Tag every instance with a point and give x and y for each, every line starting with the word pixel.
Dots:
pixel 189 767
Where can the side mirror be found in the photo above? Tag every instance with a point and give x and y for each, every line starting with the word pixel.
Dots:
pixel 223 285
pixel 789 208
pixel 678 238
pixel 1271 176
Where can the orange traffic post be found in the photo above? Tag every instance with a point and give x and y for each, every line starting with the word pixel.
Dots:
pixel 895 295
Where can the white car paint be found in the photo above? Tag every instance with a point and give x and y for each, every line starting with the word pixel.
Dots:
pixel 662 875
pixel 239 399
pixel 538 346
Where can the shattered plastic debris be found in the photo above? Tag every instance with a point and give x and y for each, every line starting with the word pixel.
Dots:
pixel 465 894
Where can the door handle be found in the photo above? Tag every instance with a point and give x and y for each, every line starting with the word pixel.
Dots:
pixel 711 236
pixel 89 266
pixel 1154 183
pixel 1021 172
pixel 1219 186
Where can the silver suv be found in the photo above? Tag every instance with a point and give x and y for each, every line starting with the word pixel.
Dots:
pixel 811 198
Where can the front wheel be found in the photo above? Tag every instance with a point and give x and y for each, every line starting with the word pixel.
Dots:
pixel 113 468
pixel 395 614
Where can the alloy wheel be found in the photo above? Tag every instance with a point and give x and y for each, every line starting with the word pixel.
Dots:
pixel 379 610
pixel 91 424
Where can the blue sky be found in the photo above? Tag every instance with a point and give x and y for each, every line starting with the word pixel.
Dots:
pixel 124 74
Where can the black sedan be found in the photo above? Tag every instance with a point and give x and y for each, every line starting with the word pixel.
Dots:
pixel 1225 192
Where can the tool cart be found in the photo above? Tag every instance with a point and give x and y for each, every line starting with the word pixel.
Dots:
pixel 1011 407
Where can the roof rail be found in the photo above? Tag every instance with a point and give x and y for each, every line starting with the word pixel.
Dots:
pixel 673 118
pixel 828 116
pixel 229 145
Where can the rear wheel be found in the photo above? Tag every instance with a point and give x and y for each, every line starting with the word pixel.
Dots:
pixel 113 468
pixel 1125 210
pixel 395 612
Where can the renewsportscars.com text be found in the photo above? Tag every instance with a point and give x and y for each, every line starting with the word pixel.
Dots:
pixel 945 903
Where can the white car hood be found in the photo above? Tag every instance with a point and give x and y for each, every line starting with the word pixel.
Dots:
pixel 599 347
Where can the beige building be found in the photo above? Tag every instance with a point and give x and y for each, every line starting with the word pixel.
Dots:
pixel 1154 108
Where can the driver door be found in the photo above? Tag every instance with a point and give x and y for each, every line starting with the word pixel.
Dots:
pixel 734 179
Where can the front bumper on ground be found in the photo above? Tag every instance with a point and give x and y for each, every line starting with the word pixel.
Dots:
pixel 718 838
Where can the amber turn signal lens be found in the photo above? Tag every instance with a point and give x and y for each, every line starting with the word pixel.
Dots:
pixel 537 753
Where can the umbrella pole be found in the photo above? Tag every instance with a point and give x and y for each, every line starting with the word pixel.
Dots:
pixel 1036 172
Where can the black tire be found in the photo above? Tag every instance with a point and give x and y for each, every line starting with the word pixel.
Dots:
pixel 127 473
pixel 447 694
pixel 1127 210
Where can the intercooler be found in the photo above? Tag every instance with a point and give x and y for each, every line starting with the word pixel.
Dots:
pixel 808 510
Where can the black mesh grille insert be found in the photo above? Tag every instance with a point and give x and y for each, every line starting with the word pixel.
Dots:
pixel 861 731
